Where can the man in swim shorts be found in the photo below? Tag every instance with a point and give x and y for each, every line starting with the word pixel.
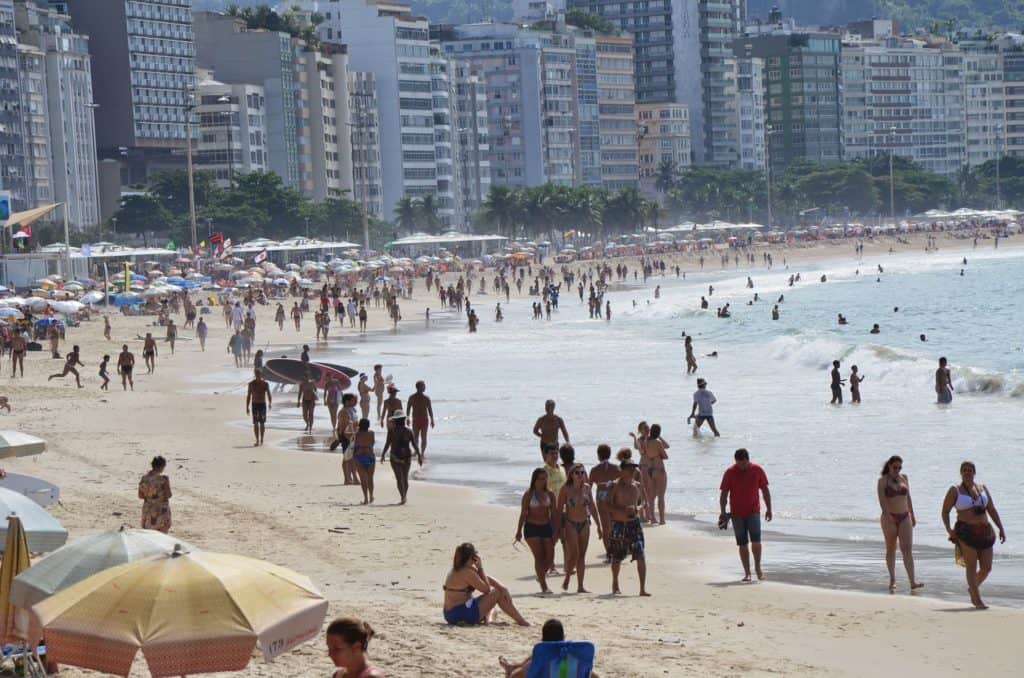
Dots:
pixel 421 412
pixel 702 409
pixel 125 365
pixel 602 475
pixel 943 383
pixel 740 485
pixel 548 426
pixel 149 352
pixel 258 399
pixel 627 534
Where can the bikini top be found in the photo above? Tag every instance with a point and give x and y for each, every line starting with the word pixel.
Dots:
pixel 965 501
pixel 534 502
pixel 902 490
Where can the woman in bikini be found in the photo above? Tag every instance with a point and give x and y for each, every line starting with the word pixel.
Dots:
pixel 691 361
pixel 639 441
pixel 535 520
pixel 365 461
pixel 332 390
pixel 654 456
pixel 897 519
pixel 347 641
pixel 973 534
pixel 467 575
pixel 401 442
pixel 576 505
pixel 601 478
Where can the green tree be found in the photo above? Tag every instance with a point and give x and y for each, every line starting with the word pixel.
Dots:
pixel 665 175
pixel 503 209
pixel 407 214
pixel 584 19
pixel 429 218
pixel 141 214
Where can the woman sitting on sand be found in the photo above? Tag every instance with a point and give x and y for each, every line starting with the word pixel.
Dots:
pixel 898 519
pixel 536 518
pixel 577 503
pixel 347 641
pixel 155 493
pixel 467 575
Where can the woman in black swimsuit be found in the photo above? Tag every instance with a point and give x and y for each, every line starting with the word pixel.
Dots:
pixel 535 521
pixel 401 442
pixel 576 506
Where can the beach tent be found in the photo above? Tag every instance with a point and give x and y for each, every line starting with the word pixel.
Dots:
pixel 189 612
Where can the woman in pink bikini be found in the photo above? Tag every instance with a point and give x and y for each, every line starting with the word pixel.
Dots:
pixel 897 519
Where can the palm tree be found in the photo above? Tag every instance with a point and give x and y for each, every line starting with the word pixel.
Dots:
pixel 588 208
pixel 428 216
pixel 665 175
pixel 624 209
pixel 407 214
pixel 502 208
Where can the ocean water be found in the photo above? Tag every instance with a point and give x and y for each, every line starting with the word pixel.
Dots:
pixel 772 384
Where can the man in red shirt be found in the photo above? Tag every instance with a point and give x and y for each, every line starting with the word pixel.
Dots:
pixel 740 484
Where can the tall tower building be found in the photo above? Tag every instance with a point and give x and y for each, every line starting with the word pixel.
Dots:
pixel 13 170
pixel 143 71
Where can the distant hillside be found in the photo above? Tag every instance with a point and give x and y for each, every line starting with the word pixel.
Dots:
pixel 911 14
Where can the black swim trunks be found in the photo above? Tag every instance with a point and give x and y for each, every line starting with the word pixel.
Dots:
pixel 259 413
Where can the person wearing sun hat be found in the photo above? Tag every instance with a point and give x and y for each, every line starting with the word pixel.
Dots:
pixel 400 442
pixel 391 405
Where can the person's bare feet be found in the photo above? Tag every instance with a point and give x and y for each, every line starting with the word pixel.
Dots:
pixel 916 585
pixel 644 594
pixel 580 589
pixel 746 577
pixel 616 591
pixel 508 668
pixel 760 574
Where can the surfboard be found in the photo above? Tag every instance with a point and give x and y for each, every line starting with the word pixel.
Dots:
pixel 290 371
pixel 340 368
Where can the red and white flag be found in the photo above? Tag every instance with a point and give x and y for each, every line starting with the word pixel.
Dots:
pixel 261 257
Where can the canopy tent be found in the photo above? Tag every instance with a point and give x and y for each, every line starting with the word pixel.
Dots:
pixel 27 217
pixel 449 238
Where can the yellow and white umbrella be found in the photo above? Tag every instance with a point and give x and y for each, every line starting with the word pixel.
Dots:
pixel 189 613
pixel 15 561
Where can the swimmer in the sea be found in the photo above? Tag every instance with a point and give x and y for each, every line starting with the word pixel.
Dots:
pixel 875 329
pixel 924 338
pixel 841 319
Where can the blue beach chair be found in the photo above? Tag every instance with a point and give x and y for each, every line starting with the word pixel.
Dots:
pixel 565 659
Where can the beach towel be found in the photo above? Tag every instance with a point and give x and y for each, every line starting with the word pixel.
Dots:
pixel 566 659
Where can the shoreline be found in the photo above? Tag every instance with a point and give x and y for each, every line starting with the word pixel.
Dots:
pixel 388 563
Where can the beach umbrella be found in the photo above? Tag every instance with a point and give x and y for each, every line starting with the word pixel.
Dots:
pixel 127 299
pixel 11 314
pixel 84 557
pixel 189 612
pixel 15 444
pixel 36 304
pixel 42 530
pixel 16 561
pixel 67 306
pixel 93 297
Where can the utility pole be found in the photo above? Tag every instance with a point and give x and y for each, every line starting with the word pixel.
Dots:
pixel 999 153
pixel 189 105
pixel 892 176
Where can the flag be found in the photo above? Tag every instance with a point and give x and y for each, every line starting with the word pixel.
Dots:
pixel 202 244
pixel 261 257
pixel 225 249
pixel 170 246
pixel 217 237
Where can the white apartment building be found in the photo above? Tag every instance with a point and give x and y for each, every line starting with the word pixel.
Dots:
pixel 984 104
pixel 35 120
pixel 906 97
pixel 446 141
pixel 386 39
pixel 232 130
pixel 751 113
pixel 330 139
pixel 365 136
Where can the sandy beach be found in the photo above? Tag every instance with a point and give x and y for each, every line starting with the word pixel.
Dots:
pixel 386 563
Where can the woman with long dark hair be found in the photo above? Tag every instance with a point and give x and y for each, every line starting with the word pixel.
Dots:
pixel 536 519
pixel 576 506
pixel 898 520
pixel 467 575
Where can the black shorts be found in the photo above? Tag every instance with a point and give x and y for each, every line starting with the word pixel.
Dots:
pixel 259 413
pixel 700 420
pixel 148 354
pixel 532 530
pixel 126 370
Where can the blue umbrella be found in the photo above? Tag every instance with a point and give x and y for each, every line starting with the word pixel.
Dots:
pixel 46 322
pixel 127 299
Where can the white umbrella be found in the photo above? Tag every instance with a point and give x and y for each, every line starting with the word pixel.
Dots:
pixel 86 556
pixel 16 444
pixel 93 297
pixel 67 306
pixel 11 314
pixel 42 530
pixel 36 304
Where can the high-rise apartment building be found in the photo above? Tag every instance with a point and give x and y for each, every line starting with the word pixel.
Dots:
pixel 801 92
pixel 474 140
pixel 330 139
pixel 35 121
pixel 616 104
pixel 232 129
pixel 271 60
pixel 682 51
pixel 388 40
pixel 904 96
pixel 1012 141
pixel 446 141
pixel 365 135
pixel 664 137
pixel 588 136
pixel 984 103
pixel 13 170
pixel 531 99
pixel 143 71
pixel 750 90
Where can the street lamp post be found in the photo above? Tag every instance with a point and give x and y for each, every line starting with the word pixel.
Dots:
pixel 768 169
pixel 892 176
pixel 999 153
pixel 189 105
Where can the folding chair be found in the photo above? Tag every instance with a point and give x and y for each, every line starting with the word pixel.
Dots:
pixel 563 659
